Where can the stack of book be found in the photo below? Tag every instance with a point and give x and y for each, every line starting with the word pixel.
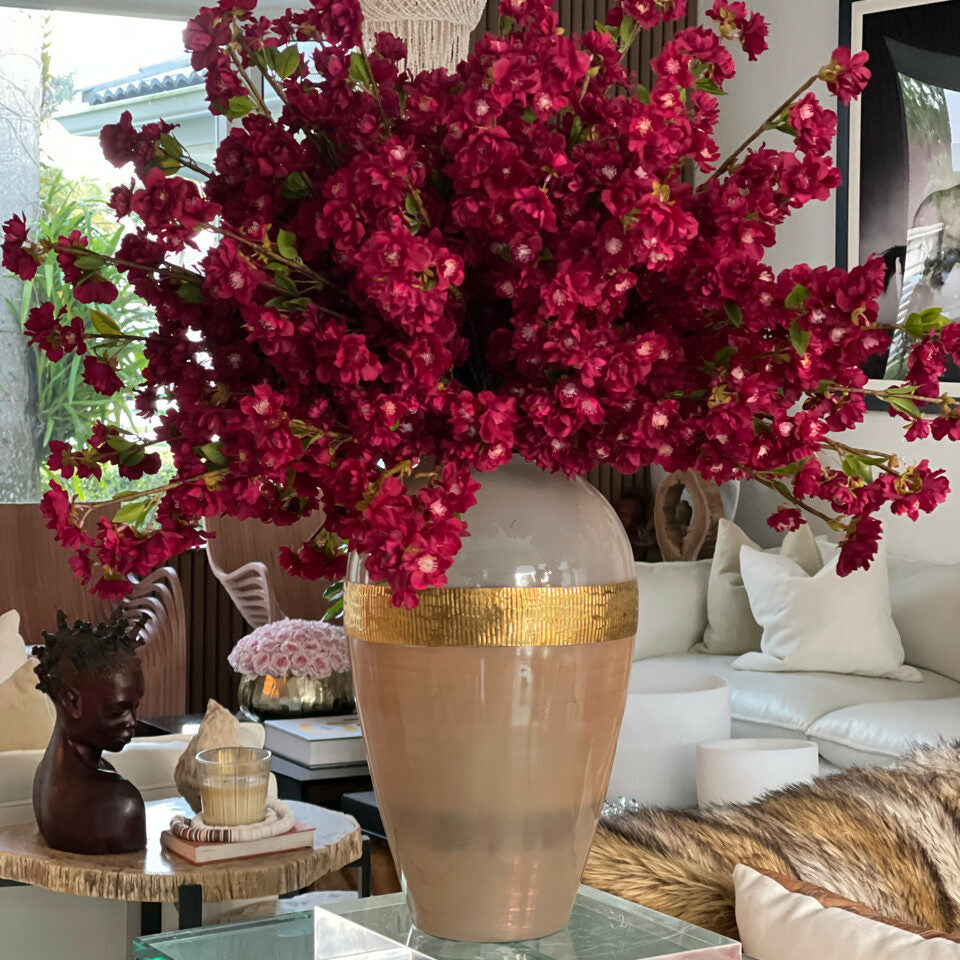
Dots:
pixel 317 743
pixel 300 835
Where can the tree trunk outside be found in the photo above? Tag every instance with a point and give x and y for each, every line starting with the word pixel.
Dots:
pixel 20 96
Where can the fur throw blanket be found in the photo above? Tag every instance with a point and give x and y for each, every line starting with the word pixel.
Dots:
pixel 887 837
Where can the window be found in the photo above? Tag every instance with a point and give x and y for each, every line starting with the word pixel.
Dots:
pixel 84 70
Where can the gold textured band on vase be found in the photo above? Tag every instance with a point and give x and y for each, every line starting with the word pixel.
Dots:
pixel 493 616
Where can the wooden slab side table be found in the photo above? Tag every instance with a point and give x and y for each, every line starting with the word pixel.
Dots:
pixel 155 876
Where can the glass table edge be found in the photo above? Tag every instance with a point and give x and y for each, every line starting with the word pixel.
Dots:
pixel 346 907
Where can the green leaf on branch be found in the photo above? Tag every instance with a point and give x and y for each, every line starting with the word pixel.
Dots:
pixel 799 338
pixel 119 444
pixel 333 612
pixel 781 488
pixel 723 356
pixel 643 94
pixel 190 293
pixel 790 469
pixel 287 245
pixel 358 71
pixel 919 324
pixel 904 405
pixel 132 456
pixel 133 512
pixel 796 297
pixel 709 86
pixel 734 313
pixel 333 591
pixel 295 186
pixel 283 281
pixel 171 146
pixel 238 107
pixel 576 131
pixel 286 61
pixel 105 325
pixel 855 466
pixel 211 453
pixel 89 263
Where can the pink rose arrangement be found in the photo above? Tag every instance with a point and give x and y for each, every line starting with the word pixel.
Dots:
pixel 292 648
pixel 508 259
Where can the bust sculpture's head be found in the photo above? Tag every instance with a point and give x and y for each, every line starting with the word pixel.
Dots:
pixel 94 678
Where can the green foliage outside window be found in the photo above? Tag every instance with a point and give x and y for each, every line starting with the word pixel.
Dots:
pixel 68 407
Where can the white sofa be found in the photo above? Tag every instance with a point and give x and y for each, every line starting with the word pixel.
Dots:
pixel 854 720
pixel 148 762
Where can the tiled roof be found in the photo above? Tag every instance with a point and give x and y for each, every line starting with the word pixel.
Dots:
pixel 155 78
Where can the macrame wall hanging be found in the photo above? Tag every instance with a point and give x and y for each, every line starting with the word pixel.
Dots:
pixel 437 32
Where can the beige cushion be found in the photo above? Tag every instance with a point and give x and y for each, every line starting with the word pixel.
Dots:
pixel 672 607
pixel 776 923
pixel 26 715
pixel 731 627
pixel 13 653
pixel 786 704
pixel 822 622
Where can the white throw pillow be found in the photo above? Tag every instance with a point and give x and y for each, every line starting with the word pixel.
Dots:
pixel 731 627
pixel 823 622
pixel 13 654
pixel 673 607
pixel 925 600
pixel 777 924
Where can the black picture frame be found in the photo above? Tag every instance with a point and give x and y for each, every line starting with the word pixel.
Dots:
pixel 885 193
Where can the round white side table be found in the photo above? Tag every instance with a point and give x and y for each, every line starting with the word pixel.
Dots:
pixel 671 707
pixel 738 771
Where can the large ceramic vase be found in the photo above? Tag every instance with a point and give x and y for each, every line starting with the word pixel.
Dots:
pixel 491 711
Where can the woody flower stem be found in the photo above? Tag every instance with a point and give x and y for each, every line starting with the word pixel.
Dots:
pixel 163 266
pixel 732 159
pixel 771 484
pixel 255 95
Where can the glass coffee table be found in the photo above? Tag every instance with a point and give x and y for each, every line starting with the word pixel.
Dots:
pixel 602 927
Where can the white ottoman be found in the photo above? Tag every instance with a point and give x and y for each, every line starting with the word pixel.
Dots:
pixel 738 771
pixel 670 708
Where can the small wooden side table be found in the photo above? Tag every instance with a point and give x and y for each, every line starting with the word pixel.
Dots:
pixel 155 876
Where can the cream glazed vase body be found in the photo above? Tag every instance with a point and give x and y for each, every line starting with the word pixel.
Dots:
pixel 491 711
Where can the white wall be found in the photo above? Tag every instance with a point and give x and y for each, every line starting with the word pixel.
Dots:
pixel 802 37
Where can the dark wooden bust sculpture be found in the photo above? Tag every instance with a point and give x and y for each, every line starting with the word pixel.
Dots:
pixel 94 678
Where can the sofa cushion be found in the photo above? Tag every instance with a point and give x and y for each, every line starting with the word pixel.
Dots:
pixel 26 715
pixel 13 653
pixel 672 608
pixel 732 627
pixel 147 762
pixel 778 922
pixel 881 733
pixel 925 600
pixel 786 704
pixel 822 622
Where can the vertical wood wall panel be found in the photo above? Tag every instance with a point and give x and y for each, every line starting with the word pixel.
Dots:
pixel 577 16
pixel 213 626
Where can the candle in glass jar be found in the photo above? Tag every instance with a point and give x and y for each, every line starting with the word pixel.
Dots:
pixel 233 785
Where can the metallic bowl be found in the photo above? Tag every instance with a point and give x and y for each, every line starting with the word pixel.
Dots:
pixel 282 698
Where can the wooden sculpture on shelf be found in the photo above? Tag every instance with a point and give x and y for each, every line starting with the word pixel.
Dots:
pixel 687 531
pixel 94 678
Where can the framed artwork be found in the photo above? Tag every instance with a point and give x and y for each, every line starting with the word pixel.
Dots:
pixel 899 153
